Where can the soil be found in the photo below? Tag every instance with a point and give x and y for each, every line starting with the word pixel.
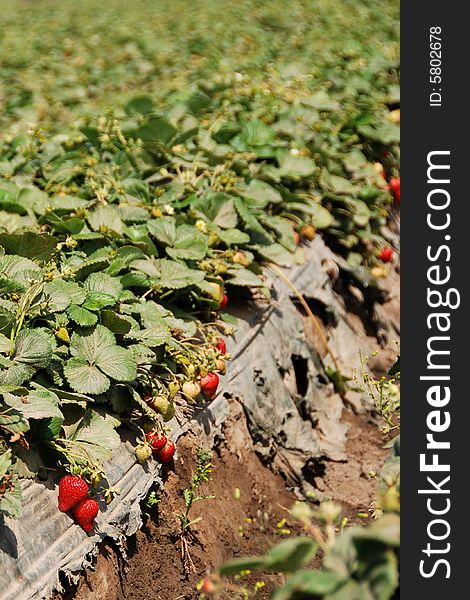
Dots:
pixel 154 568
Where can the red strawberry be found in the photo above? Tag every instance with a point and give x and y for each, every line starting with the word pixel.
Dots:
pixel 395 188
pixel 223 302
pixel 156 440
pixel 166 453
pixel 147 398
pixel 386 254
pixel 221 347
pixel 85 513
pixel 296 238
pixel 72 490
pixel 209 385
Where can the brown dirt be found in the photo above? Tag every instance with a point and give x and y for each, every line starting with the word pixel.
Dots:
pixel 229 527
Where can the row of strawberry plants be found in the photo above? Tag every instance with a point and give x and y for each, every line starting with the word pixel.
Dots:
pixel 122 241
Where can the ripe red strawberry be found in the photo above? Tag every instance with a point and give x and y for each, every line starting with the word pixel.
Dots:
pixel 221 346
pixel 386 254
pixel 155 440
pixel 209 385
pixel 72 490
pixel 395 188
pixel 223 302
pixel 147 398
pixel 166 453
pixel 85 513
pixel 296 238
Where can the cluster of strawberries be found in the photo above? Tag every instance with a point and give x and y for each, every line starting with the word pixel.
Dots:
pixel 74 497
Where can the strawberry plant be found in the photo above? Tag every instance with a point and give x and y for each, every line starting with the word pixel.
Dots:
pixel 130 222
pixel 192 495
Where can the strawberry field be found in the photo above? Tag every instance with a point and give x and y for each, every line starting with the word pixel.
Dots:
pixel 199 253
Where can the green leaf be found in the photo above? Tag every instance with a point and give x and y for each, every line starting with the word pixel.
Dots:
pixel 118 363
pixel 151 314
pixel 124 256
pixel 188 244
pixel 90 266
pixel 98 300
pixel 10 502
pixel 97 428
pixel 233 567
pixel 45 430
pixel 82 316
pixel 336 184
pixel 16 374
pixel 361 213
pixel 84 377
pixel 103 283
pixel 154 336
pixel 244 277
pixel 296 167
pixel 94 353
pixel 250 219
pixel 40 246
pixel 140 105
pixel 28 462
pixel 61 294
pixel 321 101
pixel 164 229
pixel 105 218
pixel 218 208
pixel 277 254
pixel 232 237
pixel 155 129
pixel 89 344
pixel 94 435
pixel 256 133
pixel 116 323
pixel 34 347
pixel 6 345
pixel 173 275
pixel 19 268
pixel 13 420
pixel 291 555
pixel 261 193
pixel 311 584
pixel 38 404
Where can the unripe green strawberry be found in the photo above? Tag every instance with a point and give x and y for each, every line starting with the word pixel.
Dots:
pixel 216 291
pixel 191 389
pixel 220 366
pixel 160 404
pixel 143 452
pixel 170 412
